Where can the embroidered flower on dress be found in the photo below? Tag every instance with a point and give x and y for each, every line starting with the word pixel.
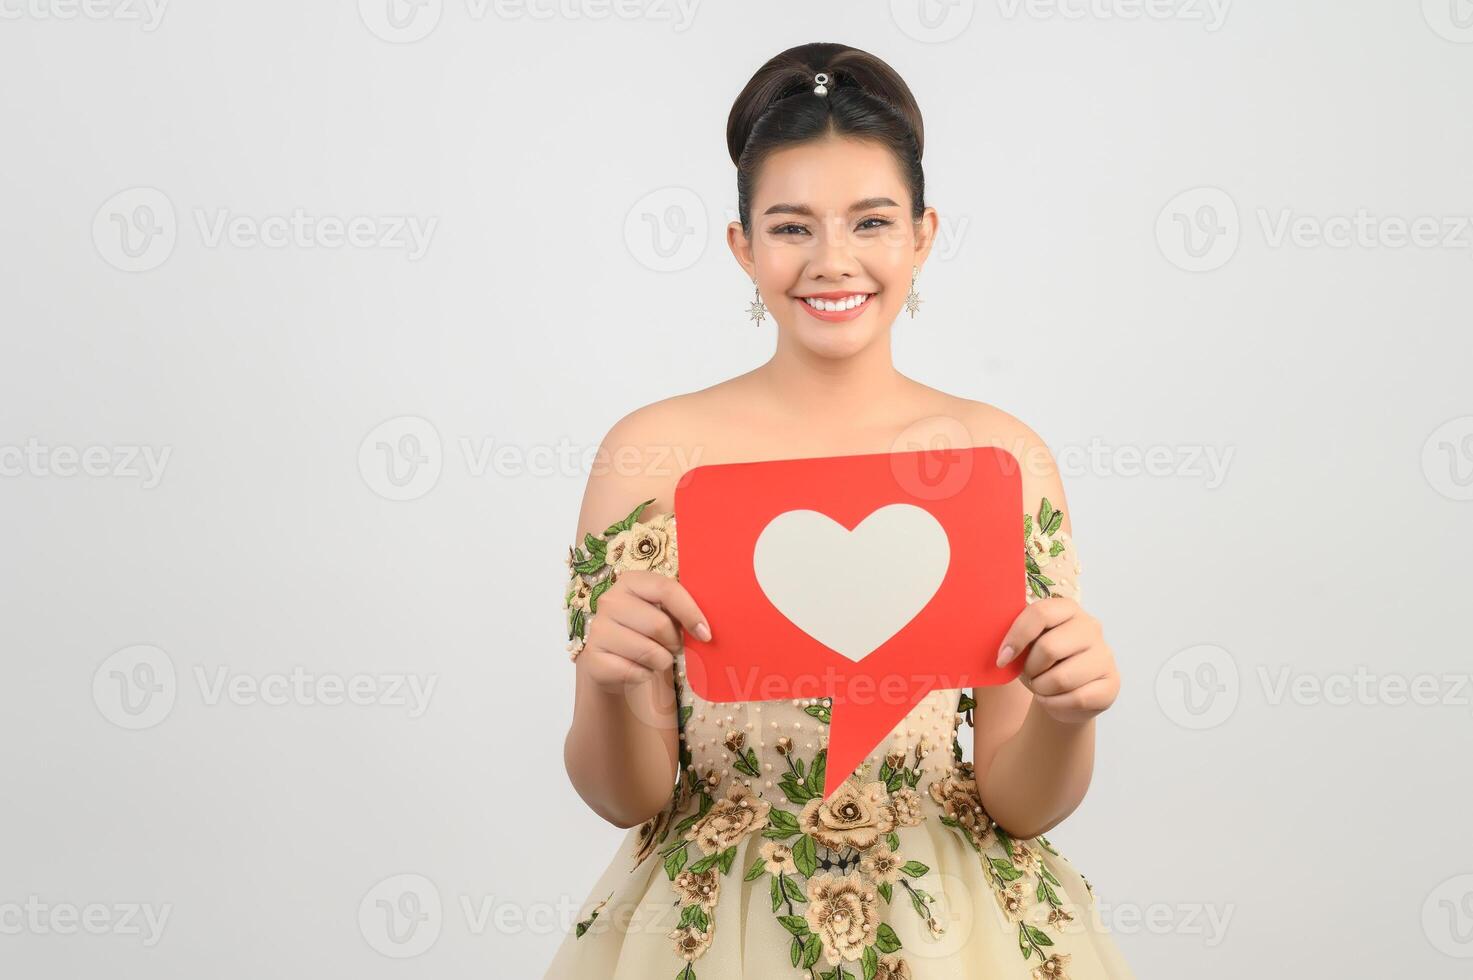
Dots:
pixel 843 913
pixel 1043 540
pixel 1025 858
pixel 855 816
pixel 698 887
pixel 1052 968
pixel 1011 899
pixel 880 865
pixel 1058 914
pixel 730 820
pixel 907 804
pixel 777 858
pixel 893 968
pixel 649 547
pixel 650 834
pixel 691 942
pixel 957 794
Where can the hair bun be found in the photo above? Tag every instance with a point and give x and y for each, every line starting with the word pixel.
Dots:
pixel 793 72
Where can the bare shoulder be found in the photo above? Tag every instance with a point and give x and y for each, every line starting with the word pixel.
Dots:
pixel 991 426
pixel 641 458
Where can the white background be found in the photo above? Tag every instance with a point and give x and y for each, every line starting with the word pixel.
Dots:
pixel 1112 177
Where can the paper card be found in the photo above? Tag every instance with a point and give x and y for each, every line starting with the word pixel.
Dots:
pixel 870 579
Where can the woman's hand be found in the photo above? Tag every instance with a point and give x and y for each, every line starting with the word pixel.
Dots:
pixel 634 635
pixel 1069 667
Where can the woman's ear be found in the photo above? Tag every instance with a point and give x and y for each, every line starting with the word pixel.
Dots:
pixel 926 230
pixel 741 247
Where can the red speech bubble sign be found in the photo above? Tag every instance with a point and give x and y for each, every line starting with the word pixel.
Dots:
pixel 871 580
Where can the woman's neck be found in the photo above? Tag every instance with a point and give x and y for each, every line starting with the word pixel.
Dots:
pixel 857 390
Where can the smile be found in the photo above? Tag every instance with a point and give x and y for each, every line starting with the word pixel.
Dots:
pixel 832 308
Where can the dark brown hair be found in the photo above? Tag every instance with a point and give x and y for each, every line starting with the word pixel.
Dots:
pixel 866 99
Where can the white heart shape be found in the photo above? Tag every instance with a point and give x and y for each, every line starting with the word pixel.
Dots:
pixel 852 590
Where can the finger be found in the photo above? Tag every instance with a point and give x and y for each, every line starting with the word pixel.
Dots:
pixel 1068 674
pixel 1030 624
pixel 672 597
pixel 642 616
pixel 611 671
pixel 618 639
pixel 1094 696
pixel 1056 644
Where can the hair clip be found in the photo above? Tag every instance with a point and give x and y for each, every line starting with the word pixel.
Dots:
pixel 822 79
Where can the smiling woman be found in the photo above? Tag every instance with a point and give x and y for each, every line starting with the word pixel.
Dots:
pixel 739 862
pixel 833 224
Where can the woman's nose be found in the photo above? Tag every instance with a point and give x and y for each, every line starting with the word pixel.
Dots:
pixel 833 252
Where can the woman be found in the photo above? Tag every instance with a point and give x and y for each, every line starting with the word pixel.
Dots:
pixel 921 865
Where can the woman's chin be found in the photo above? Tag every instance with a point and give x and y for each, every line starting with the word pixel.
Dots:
pixel 834 340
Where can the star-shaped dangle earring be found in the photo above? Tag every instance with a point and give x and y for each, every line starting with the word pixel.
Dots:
pixel 755 309
pixel 913 299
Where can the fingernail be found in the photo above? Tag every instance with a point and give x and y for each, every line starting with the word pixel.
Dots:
pixel 703 631
pixel 1004 655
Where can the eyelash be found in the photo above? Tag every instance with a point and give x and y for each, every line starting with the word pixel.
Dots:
pixel 780 229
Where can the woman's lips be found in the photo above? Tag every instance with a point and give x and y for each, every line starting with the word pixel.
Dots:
pixel 837 316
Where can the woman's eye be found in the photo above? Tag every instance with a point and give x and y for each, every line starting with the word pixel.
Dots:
pixel 878 223
pixel 783 229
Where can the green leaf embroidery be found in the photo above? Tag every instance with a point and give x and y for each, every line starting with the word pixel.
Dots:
pixel 675 861
pixel 804 856
pixel 812 946
pixel 597 591
pixel 796 924
pixel 814 780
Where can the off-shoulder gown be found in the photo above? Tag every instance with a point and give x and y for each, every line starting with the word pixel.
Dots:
pixel 901 875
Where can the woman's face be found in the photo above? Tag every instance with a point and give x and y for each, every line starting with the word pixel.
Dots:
pixel 831 220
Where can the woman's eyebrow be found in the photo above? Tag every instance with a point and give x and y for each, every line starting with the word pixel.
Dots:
pixel 863 205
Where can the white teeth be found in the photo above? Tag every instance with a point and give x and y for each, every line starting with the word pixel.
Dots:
pixel 836 306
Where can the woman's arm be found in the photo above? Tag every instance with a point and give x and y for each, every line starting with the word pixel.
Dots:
pixel 622 749
pixel 1032 768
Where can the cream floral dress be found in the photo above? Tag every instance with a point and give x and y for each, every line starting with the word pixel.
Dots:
pixel 901 875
